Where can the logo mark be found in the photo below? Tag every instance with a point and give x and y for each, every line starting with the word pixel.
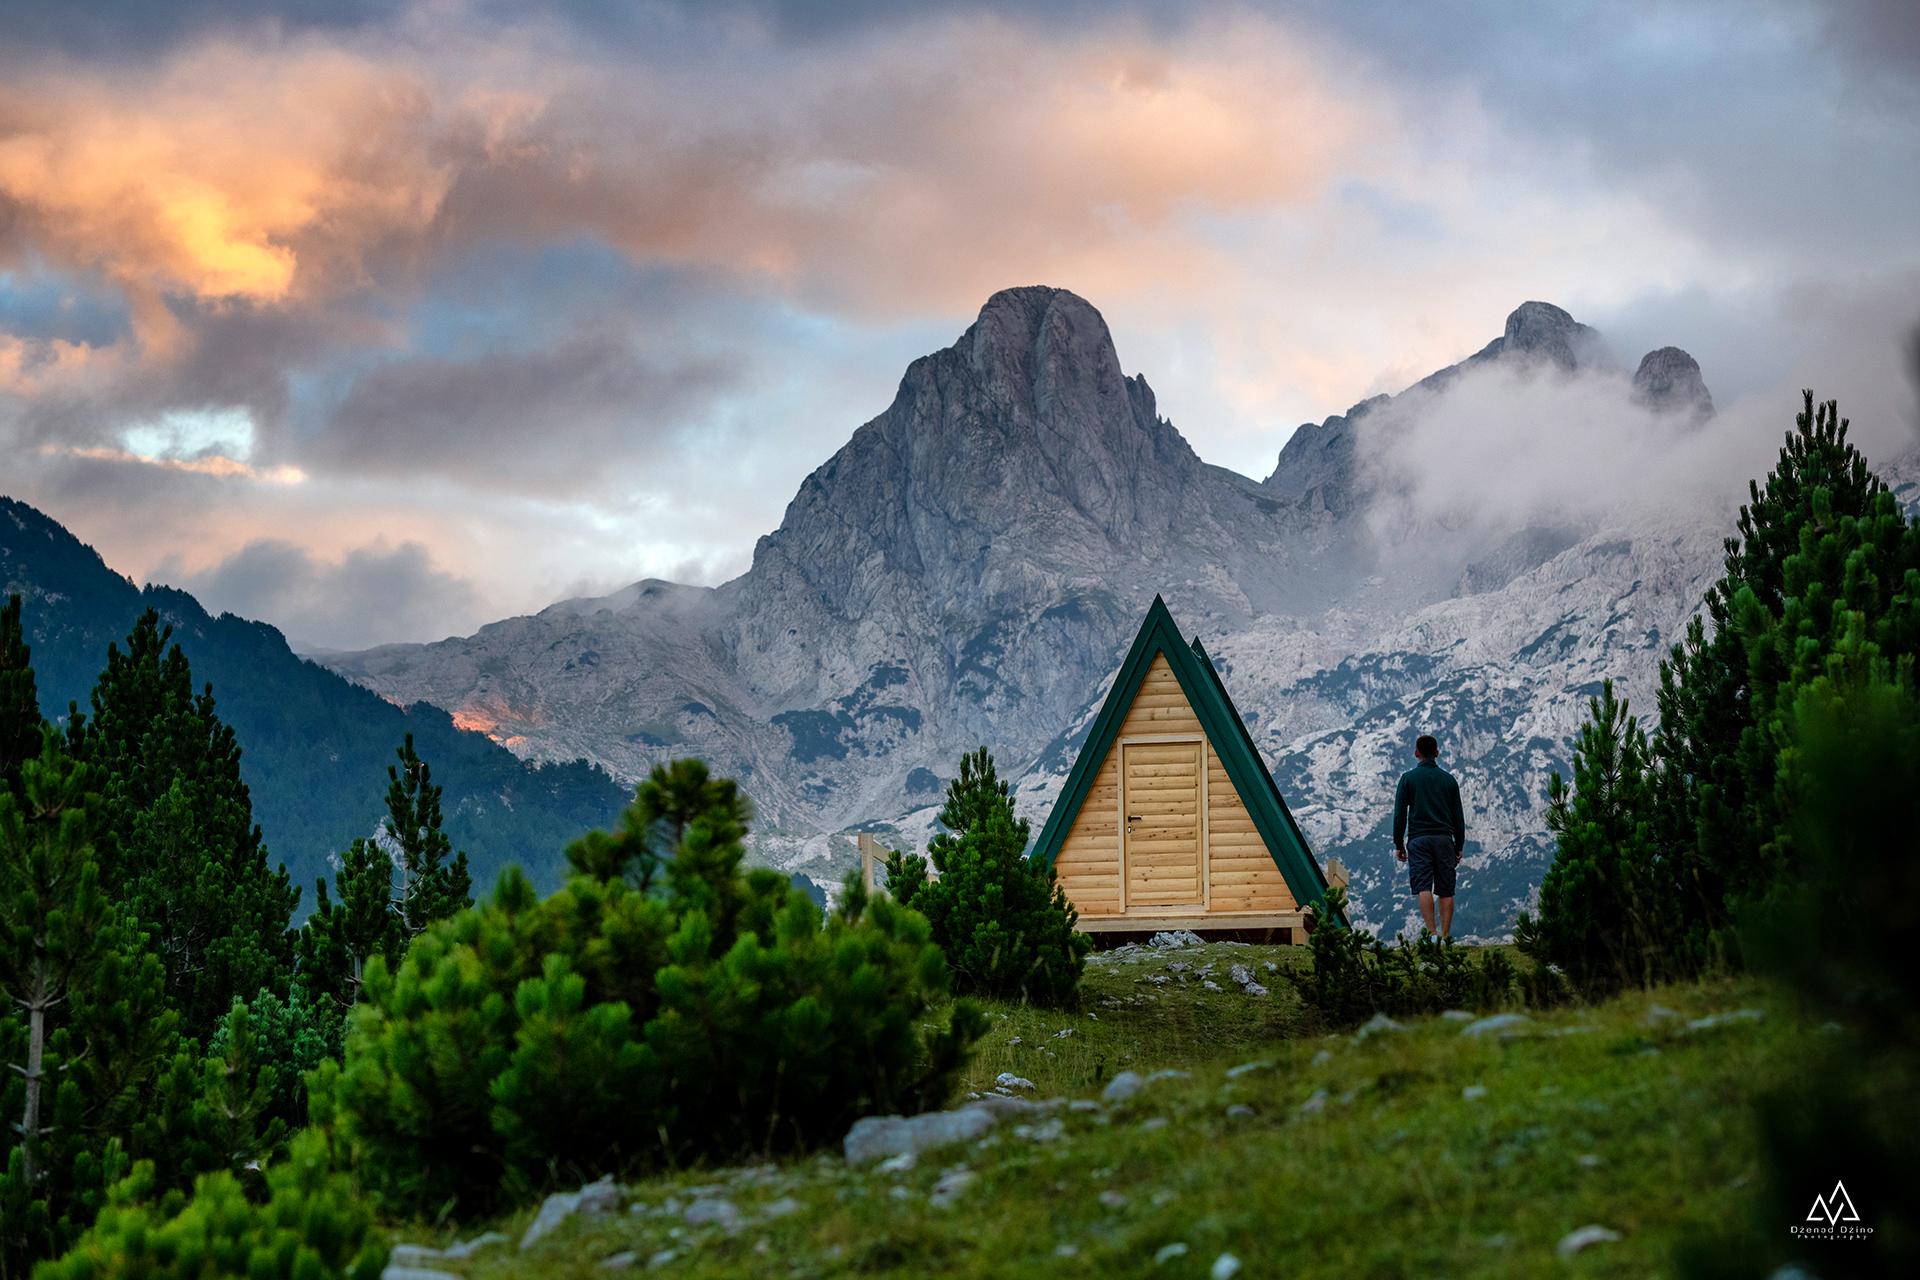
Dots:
pixel 1834 1208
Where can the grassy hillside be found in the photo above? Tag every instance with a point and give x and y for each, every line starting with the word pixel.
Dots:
pixel 315 747
pixel 1421 1151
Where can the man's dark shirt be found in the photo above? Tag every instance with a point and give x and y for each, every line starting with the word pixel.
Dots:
pixel 1427 803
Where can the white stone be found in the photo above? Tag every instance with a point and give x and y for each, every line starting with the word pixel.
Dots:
pixel 713 1212
pixel 1378 1024
pixel 876 1137
pixel 1225 1267
pixel 1315 1104
pixel 1123 1086
pixel 1008 1080
pixel 785 1206
pixel 485 1240
pixel 413 1255
pixel 1473 1093
pixel 593 1199
pixel 1168 1252
pixel 1499 1023
pixel 1574 1241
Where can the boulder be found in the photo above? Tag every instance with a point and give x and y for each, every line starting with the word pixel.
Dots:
pixel 593 1199
pixel 877 1137
pixel 1502 1024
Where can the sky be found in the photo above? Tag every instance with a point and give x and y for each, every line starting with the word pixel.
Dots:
pixel 380 319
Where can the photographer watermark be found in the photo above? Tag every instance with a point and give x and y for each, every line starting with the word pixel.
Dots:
pixel 1833 1217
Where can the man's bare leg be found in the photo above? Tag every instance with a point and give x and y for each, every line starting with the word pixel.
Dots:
pixel 1446 917
pixel 1426 907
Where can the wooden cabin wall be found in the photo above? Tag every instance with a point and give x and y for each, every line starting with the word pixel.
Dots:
pixel 1241 873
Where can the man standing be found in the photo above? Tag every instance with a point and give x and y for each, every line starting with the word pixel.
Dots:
pixel 1429 831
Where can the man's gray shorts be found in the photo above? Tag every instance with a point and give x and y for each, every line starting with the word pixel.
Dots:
pixel 1430 865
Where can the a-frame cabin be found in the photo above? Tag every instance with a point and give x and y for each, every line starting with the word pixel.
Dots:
pixel 1169 820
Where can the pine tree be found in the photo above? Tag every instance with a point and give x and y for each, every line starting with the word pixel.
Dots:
pixel 611 1026
pixel 1606 910
pixel 238 1091
pixel 180 850
pixel 371 917
pixel 20 720
pixel 58 923
pixel 83 1025
pixel 342 935
pixel 1004 922
pixel 433 879
pixel 1821 516
pixel 310 1224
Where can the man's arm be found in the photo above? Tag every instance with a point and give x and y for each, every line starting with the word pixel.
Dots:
pixel 1402 797
pixel 1459 819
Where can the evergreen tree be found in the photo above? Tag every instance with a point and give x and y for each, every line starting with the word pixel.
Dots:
pixel 1821 531
pixel 238 1092
pixel 1839 942
pixel 372 917
pixel 433 878
pixel 1004 923
pixel 1606 911
pixel 311 1224
pixel 84 1029
pixel 1656 862
pixel 179 850
pixel 20 720
pixel 342 935
pixel 611 1026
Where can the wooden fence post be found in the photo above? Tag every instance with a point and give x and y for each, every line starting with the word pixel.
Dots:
pixel 869 853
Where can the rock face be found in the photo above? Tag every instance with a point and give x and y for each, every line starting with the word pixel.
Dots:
pixel 1668 381
pixel 970 566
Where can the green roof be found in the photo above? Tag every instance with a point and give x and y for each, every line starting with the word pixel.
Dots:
pixel 1225 730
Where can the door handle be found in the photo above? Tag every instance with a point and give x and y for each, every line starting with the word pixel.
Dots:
pixel 1133 817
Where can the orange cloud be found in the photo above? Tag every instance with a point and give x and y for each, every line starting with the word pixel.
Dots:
pixel 913 167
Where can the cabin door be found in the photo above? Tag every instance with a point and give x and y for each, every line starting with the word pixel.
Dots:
pixel 1160 808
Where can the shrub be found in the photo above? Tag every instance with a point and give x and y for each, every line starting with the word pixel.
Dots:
pixel 1354 975
pixel 611 1026
pixel 309 1225
pixel 1005 925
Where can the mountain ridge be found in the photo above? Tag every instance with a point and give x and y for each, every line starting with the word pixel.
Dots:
pixel 314 747
pixel 967 567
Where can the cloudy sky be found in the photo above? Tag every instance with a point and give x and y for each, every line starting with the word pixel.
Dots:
pixel 378 320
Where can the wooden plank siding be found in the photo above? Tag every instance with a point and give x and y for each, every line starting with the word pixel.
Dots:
pixel 1194 852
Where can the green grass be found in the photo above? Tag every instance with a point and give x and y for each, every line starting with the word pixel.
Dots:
pixel 1594 1115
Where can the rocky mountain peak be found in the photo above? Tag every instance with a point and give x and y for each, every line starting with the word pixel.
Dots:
pixel 1542 330
pixel 1669 381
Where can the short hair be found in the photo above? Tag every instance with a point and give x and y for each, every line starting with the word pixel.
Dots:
pixel 1426 748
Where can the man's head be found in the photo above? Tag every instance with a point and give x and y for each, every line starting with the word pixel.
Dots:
pixel 1426 748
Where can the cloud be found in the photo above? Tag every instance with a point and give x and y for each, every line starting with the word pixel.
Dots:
pixel 1506 446
pixel 518 285
pixel 492 420
pixel 371 595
